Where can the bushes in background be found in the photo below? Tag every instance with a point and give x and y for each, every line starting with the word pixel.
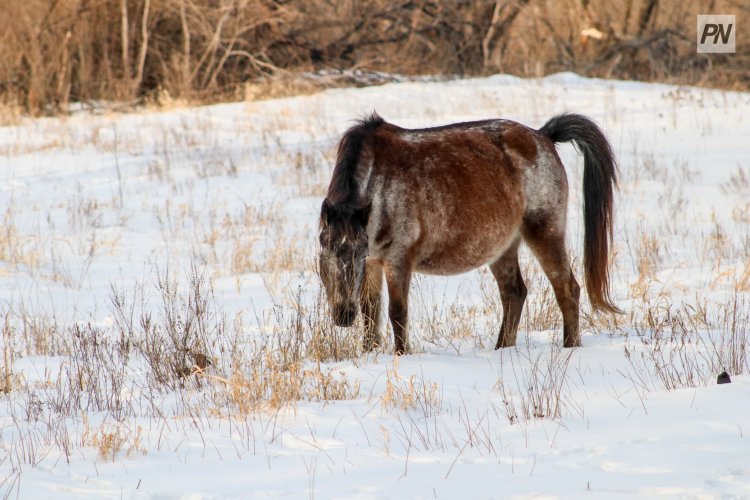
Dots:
pixel 60 51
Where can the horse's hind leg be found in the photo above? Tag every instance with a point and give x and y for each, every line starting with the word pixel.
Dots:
pixel 370 305
pixel 547 240
pixel 507 273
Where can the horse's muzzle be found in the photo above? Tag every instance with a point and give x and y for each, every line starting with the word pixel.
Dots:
pixel 344 315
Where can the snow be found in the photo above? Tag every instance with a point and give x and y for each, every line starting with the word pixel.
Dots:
pixel 100 206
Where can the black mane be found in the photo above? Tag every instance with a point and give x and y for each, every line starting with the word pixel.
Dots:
pixel 343 185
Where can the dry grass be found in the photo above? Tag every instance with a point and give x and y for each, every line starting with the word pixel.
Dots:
pixel 540 379
pixel 133 52
pixel 739 182
pixel 411 393
pixel 114 440
pixel 685 347
pixel 8 379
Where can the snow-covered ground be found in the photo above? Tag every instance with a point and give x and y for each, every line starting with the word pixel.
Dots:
pixel 133 245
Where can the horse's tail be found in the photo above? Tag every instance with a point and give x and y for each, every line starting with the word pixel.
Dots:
pixel 599 181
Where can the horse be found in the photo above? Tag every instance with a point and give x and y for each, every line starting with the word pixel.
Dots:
pixel 449 199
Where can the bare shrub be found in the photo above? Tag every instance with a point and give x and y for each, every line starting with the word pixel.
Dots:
pixel 186 343
pixel 683 347
pixel 179 338
pixel 730 345
pixel 129 51
pixel 539 387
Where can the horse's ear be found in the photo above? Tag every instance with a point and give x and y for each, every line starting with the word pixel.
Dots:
pixel 362 215
pixel 325 211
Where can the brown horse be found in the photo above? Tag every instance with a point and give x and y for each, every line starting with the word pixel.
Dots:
pixel 449 199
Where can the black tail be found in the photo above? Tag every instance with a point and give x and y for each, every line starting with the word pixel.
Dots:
pixel 599 182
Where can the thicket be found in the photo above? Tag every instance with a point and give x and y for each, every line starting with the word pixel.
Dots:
pixel 55 52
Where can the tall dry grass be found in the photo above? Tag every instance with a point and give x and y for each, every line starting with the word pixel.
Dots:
pixel 60 51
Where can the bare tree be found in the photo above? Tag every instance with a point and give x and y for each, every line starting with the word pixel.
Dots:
pixel 57 51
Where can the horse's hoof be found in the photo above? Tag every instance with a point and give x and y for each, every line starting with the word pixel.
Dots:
pixel 501 343
pixel 402 351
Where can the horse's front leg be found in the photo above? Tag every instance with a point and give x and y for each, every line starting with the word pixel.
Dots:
pixel 370 305
pixel 397 279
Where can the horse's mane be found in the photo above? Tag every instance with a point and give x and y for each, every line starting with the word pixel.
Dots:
pixel 343 187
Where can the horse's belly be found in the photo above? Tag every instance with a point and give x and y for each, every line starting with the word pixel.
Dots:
pixel 464 254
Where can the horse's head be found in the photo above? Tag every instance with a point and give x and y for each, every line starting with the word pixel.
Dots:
pixel 343 250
